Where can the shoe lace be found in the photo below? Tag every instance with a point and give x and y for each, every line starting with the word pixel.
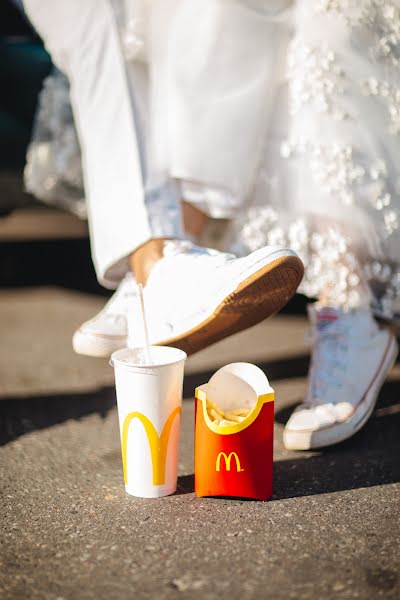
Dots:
pixel 329 363
pixel 196 253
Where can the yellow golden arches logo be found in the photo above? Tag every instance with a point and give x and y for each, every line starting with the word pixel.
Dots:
pixel 158 444
pixel 227 461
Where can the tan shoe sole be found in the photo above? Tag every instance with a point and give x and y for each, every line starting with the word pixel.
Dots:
pixel 258 297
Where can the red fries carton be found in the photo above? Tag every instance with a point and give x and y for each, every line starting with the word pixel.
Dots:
pixel 237 459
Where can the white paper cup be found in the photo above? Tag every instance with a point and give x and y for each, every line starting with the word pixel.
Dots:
pixel 149 397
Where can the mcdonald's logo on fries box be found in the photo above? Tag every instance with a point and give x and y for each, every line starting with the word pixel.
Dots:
pixel 234 458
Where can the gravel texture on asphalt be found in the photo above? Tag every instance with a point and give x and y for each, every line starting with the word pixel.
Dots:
pixel 69 531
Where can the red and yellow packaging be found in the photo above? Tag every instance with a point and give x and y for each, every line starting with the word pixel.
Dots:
pixel 235 460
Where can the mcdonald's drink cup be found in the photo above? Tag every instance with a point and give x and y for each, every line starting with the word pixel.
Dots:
pixel 234 459
pixel 149 397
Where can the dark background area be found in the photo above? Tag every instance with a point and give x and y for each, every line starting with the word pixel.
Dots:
pixel 23 65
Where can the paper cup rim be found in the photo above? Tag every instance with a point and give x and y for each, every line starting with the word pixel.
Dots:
pixel 117 358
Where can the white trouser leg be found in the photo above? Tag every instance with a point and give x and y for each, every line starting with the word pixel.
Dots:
pixel 84 42
pixel 162 194
pixel 214 65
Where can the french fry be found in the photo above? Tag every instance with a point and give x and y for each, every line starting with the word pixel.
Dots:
pixel 226 423
pixel 240 412
pixel 226 418
pixel 212 413
pixel 230 416
pixel 215 407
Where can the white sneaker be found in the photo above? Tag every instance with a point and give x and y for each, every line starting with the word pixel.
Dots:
pixel 350 360
pixel 108 330
pixel 195 296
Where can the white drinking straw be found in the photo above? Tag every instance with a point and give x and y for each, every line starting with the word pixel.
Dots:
pixel 146 332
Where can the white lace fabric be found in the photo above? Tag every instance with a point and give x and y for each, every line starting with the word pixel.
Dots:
pixel 328 182
pixel 53 171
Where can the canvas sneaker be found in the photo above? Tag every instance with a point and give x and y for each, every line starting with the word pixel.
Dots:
pixel 108 330
pixel 196 296
pixel 351 358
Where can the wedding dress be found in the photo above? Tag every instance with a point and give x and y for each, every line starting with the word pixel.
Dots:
pixel 284 117
pixel 328 182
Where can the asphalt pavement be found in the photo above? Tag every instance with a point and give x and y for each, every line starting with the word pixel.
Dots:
pixel 69 531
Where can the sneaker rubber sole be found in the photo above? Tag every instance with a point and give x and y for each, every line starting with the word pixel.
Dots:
pixel 338 432
pixel 259 296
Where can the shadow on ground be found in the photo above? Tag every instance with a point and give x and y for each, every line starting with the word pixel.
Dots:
pixel 25 414
pixel 20 415
pixel 368 459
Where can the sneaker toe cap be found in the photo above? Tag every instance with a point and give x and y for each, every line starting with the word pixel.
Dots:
pixel 343 411
pixel 105 326
pixel 307 418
